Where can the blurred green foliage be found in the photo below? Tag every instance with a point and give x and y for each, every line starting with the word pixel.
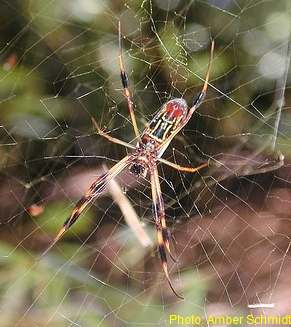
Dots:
pixel 60 291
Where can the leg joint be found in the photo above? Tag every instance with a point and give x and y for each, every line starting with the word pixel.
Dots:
pixel 124 79
pixel 200 97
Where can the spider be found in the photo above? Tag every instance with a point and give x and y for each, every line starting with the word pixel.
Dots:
pixel 145 155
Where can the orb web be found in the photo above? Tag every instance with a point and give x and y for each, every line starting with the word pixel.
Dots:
pixel 229 222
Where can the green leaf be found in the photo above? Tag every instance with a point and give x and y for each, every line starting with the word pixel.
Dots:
pixel 56 213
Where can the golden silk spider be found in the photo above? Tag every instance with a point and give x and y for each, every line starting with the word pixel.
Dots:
pixel 145 155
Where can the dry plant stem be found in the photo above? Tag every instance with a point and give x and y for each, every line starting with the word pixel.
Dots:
pixel 129 214
pixel 280 94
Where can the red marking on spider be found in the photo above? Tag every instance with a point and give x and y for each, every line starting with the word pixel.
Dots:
pixel 35 210
pixel 174 110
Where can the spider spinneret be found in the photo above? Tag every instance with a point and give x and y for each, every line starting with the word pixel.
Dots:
pixel 138 169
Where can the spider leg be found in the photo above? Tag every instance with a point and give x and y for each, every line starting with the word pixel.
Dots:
pixel 110 138
pixel 159 210
pixel 196 103
pixel 182 168
pixel 201 96
pixel 160 221
pixel 94 190
pixel 125 83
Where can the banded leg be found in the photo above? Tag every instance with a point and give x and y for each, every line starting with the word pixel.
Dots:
pixel 160 221
pixel 124 81
pixel 109 137
pixel 94 190
pixel 182 168
pixel 201 96
pixel 159 209
pixel 196 103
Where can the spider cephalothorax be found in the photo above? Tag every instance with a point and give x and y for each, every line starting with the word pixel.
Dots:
pixel 145 152
pixel 151 144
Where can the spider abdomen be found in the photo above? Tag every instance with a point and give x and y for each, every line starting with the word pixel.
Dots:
pixel 166 121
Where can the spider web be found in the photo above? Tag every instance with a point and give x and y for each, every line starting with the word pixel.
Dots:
pixel 230 222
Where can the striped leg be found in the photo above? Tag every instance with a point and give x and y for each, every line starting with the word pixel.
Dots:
pixel 94 191
pixel 124 81
pixel 196 103
pixel 160 221
pixel 109 137
pixel 200 98
pixel 181 168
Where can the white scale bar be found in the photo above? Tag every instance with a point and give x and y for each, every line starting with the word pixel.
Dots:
pixel 261 305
